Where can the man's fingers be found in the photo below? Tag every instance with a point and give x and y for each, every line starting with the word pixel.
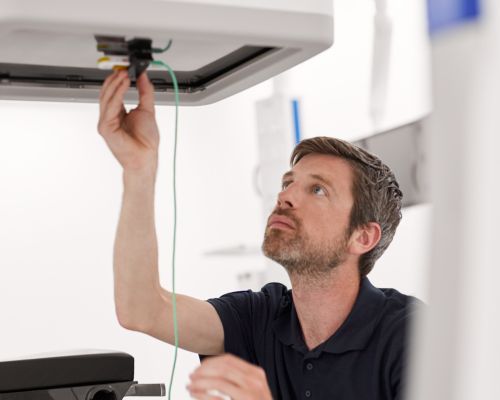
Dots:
pixel 234 376
pixel 203 396
pixel 206 396
pixel 108 93
pixel 107 81
pixel 116 102
pixel 217 388
pixel 115 106
pixel 233 369
pixel 146 93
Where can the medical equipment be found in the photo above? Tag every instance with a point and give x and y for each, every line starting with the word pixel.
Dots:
pixel 219 47
pixel 92 375
pixel 403 150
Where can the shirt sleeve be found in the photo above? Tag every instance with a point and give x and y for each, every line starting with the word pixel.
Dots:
pixel 245 317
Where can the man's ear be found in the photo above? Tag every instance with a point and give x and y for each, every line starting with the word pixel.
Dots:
pixel 365 238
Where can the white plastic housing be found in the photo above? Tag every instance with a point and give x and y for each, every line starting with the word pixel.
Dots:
pixel 48 50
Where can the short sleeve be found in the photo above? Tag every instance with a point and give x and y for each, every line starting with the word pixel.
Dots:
pixel 246 317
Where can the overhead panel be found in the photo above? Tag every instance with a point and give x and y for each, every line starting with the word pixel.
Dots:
pixel 216 48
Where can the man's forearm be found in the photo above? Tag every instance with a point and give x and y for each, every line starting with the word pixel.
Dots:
pixel 136 251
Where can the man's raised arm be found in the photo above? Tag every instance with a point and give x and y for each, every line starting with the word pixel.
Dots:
pixel 141 303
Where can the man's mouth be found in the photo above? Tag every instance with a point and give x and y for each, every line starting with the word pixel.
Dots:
pixel 280 222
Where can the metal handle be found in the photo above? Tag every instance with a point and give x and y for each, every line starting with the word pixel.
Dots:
pixel 149 389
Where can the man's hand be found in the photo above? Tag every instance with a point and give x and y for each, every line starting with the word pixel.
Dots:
pixel 230 376
pixel 132 137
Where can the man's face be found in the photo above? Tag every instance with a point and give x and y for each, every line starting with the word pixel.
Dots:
pixel 307 231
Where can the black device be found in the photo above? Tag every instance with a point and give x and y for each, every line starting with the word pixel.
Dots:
pixel 96 376
pixel 138 51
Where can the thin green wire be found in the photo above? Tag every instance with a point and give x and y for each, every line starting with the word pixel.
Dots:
pixel 174 301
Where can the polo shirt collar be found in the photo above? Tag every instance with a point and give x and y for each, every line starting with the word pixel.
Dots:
pixel 353 334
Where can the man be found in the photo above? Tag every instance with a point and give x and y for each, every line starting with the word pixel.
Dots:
pixel 334 336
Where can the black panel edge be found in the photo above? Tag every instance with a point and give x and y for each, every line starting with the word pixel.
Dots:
pixel 78 78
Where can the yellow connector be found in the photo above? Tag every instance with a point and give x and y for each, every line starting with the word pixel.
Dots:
pixel 113 62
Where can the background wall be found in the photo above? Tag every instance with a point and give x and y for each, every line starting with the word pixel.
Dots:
pixel 61 194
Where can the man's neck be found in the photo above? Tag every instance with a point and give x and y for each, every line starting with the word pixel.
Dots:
pixel 323 303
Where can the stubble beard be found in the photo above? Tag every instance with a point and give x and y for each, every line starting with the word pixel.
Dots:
pixel 299 255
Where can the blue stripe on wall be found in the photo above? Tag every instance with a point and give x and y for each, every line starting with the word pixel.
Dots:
pixel 296 120
pixel 443 14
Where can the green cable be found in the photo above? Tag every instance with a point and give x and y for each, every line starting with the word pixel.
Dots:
pixel 174 301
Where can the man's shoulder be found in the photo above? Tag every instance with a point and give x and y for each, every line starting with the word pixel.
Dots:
pixel 272 290
pixel 270 297
pixel 399 310
pixel 398 302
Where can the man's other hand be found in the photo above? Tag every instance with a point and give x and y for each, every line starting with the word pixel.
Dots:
pixel 230 376
pixel 132 137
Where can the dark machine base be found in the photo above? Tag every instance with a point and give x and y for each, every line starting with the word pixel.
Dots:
pixel 99 376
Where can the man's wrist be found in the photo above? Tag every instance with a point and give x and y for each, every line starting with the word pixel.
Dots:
pixel 143 176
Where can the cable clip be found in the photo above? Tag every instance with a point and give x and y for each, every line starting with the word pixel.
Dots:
pixel 134 54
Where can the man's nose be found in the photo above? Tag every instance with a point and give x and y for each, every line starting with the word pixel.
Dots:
pixel 287 198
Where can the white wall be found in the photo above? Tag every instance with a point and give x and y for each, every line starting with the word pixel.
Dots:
pixel 59 208
pixel 336 84
pixel 61 190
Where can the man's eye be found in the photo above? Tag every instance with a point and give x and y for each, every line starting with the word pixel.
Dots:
pixel 318 190
pixel 285 184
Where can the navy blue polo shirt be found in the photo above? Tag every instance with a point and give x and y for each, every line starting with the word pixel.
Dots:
pixel 363 360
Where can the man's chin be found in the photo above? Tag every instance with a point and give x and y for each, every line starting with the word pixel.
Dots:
pixel 277 258
pixel 279 251
pixel 291 265
pixel 275 243
pixel 297 259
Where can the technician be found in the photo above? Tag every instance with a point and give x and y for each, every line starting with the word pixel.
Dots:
pixel 334 335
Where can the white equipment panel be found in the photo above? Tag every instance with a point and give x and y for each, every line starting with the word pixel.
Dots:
pixel 48 49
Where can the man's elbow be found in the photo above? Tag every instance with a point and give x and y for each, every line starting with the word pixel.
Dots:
pixel 138 313
pixel 128 320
